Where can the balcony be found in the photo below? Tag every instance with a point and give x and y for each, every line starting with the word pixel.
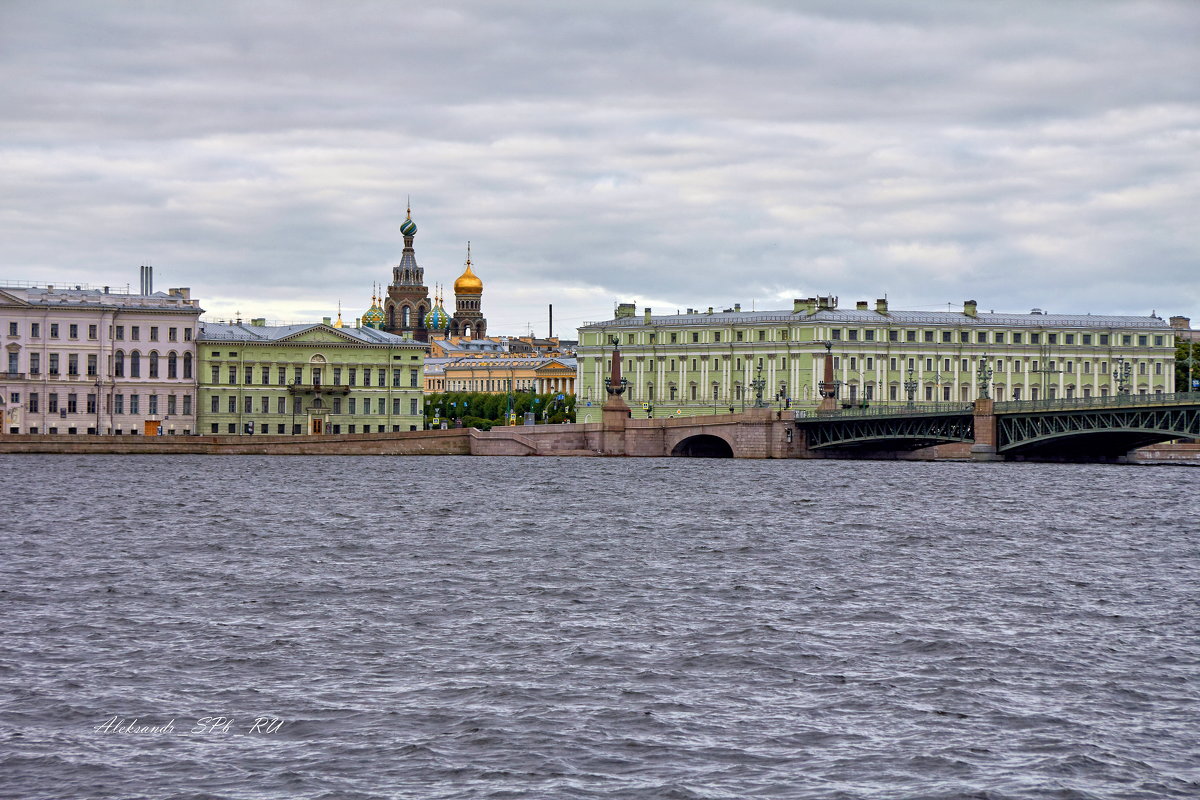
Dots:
pixel 317 388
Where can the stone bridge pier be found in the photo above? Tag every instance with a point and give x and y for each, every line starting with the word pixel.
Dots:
pixel 754 433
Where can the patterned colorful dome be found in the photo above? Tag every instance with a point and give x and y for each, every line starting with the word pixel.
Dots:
pixel 408 227
pixel 374 317
pixel 437 319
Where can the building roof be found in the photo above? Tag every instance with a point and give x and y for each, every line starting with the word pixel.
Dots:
pixel 850 316
pixel 96 298
pixel 240 332
pixel 531 362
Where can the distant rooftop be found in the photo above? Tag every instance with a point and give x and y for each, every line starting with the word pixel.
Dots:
pixel 79 295
pixel 243 332
pixel 888 317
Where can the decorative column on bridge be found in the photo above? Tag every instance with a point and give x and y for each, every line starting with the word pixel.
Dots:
pixel 828 386
pixel 614 413
pixel 984 423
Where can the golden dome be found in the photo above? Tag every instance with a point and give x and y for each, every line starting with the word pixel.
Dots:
pixel 468 283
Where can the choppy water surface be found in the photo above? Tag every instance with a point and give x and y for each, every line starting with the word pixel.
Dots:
pixel 578 628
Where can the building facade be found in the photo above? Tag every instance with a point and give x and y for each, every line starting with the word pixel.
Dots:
pixel 307 379
pixel 93 361
pixel 500 375
pixel 709 362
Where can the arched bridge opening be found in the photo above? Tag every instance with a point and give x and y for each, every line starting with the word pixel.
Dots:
pixel 702 446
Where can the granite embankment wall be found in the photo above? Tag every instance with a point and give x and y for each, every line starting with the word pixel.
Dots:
pixel 408 443
pixel 750 438
pixel 1168 454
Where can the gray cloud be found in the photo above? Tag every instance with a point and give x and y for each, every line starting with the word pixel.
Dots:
pixel 676 154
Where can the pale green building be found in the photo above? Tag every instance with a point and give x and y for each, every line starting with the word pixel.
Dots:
pixel 257 379
pixel 706 362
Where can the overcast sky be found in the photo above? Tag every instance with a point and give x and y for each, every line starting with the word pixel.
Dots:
pixel 672 154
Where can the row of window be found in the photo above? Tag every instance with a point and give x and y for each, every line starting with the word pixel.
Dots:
pixel 316 376
pixel 927 336
pixel 349 405
pixel 932 392
pixel 92 431
pixel 945 364
pixel 55 364
pixel 115 331
pixel 114 404
pixel 297 428
pixel 1017 365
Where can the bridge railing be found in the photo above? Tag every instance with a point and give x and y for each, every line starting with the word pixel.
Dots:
pixel 895 410
pixel 1088 403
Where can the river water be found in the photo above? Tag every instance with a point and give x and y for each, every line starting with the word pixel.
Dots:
pixel 439 627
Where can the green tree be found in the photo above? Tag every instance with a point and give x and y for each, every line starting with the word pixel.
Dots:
pixel 1187 364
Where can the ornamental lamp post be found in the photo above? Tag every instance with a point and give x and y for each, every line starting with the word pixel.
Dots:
pixel 1123 372
pixel 758 383
pixel 910 386
pixel 984 373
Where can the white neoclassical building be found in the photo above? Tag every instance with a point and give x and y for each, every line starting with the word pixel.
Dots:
pixel 81 360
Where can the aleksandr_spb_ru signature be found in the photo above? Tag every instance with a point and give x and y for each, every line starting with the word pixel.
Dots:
pixel 203 725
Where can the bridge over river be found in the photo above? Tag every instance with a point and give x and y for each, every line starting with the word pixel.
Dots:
pixel 1081 429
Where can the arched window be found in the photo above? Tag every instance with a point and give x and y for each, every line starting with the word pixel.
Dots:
pixel 404 317
pixel 391 317
pixel 153 363
pixel 135 364
pixel 119 364
pixel 172 365
pixel 187 365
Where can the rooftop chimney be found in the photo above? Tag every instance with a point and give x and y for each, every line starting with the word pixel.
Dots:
pixel 326 320
pixel 647 316
pixel 1184 323
pixel 861 305
pixel 881 306
pixel 258 322
pixel 970 308
pixel 737 306
pixel 626 310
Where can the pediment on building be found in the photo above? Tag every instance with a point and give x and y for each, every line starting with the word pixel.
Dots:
pixel 12 300
pixel 321 334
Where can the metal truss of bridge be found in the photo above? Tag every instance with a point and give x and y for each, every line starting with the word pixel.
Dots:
pixel 1105 431
pixel 1078 428
pixel 898 428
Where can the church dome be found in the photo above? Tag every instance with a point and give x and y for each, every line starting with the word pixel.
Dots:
pixel 437 319
pixel 408 227
pixel 374 317
pixel 468 283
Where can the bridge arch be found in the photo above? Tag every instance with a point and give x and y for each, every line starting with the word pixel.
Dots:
pixel 1100 432
pixel 702 445
pixel 1098 442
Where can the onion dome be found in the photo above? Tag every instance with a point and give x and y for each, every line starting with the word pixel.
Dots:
pixel 374 317
pixel 437 319
pixel 468 283
pixel 408 227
